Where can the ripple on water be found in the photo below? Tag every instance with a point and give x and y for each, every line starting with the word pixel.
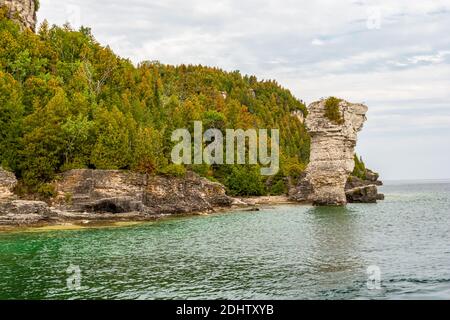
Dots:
pixel 289 252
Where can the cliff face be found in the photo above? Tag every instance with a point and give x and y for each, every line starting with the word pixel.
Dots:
pixel 332 153
pixel 96 195
pixel 112 191
pixel 22 11
pixel 7 183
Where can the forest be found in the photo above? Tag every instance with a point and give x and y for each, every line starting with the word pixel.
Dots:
pixel 68 102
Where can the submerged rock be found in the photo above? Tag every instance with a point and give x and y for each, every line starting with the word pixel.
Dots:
pixel 332 153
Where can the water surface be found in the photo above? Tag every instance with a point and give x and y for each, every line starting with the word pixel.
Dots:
pixel 283 252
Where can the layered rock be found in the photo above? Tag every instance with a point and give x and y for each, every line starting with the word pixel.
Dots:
pixel 364 190
pixel 111 191
pixel 23 212
pixel 22 11
pixel 332 153
pixel 97 195
pixel 7 183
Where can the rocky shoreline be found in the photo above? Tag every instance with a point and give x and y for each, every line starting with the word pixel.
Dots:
pixel 90 197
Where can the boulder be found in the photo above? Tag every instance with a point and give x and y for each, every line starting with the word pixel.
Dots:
pixel 363 191
pixel 365 194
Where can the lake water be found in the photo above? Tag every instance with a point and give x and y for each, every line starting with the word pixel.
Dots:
pixel 283 252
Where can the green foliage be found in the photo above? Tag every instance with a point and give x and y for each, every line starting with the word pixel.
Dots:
pixel 278 189
pixel 292 167
pixel 46 191
pixel 11 112
pixel 360 168
pixel 113 149
pixel 245 181
pixel 332 110
pixel 43 141
pixel 148 155
pixel 173 170
pixel 67 102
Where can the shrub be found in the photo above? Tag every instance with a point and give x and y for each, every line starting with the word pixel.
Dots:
pixel 294 170
pixel 245 181
pixel 360 168
pixel 278 188
pixel 174 170
pixel 332 110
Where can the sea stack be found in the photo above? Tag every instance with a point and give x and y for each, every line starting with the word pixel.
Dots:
pixel 333 125
pixel 22 11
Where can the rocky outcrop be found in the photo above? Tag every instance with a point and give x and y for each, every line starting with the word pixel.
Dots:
pixel 332 153
pixel 363 191
pixel 23 212
pixel 183 195
pixel 99 195
pixel 366 194
pixel 110 191
pixel 22 11
pixel 7 183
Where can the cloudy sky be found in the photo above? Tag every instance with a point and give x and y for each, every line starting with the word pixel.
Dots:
pixel 392 55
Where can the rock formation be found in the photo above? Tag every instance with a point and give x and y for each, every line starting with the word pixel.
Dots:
pixel 22 11
pixel 97 195
pixel 363 191
pixel 111 191
pixel 332 153
pixel 7 183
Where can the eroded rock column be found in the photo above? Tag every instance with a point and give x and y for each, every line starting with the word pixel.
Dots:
pixel 332 153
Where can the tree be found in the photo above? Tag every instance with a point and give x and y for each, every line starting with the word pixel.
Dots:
pixel 43 144
pixel 11 114
pixel 245 180
pixel 113 149
pixel 148 156
pixel 76 134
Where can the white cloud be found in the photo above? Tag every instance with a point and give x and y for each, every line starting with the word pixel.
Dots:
pixel 317 42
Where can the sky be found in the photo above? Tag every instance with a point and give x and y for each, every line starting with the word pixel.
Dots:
pixel 394 56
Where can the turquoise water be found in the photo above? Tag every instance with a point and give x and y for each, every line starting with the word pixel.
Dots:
pixel 283 252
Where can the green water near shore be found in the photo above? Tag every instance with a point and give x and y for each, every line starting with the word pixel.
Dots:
pixel 282 252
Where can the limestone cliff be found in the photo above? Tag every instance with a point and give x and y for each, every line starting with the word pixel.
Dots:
pixel 96 195
pixel 22 11
pixel 332 153
pixel 7 183
pixel 111 191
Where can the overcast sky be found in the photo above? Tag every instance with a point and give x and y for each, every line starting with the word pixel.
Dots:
pixel 395 57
